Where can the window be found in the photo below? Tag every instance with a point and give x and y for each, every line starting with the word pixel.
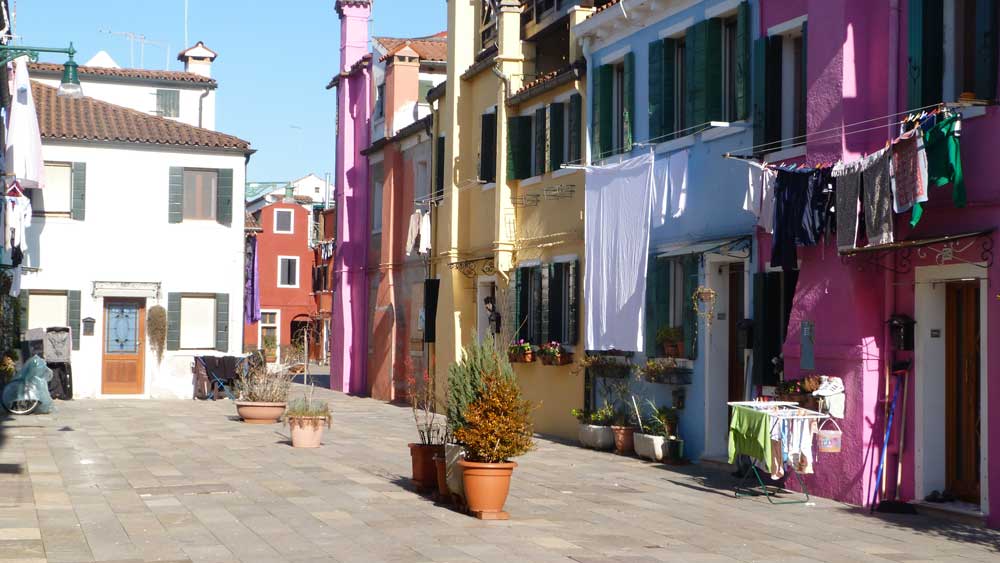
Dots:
pixel 168 103
pixel 551 50
pixel 487 25
pixel 544 8
pixel 288 271
pixel 316 189
pixel 380 101
pixel 424 87
pixel 670 282
pixel 680 85
pixel 488 148
pixel 57 197
pixel 269 330
pixel 283 221
pixel 200 194
pixel 618 109
pixel 376 207
pixel 729 69
pixel 528 317
pixel 614 107
pixel 959 22
pixel 539 148
pixel 47 309
pixel 547 302
pixel 197 322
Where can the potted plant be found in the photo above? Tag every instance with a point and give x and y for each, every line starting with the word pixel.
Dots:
pixel 496 429
pixel 608 366
pixel 665 370
pixel 306 419
pixel 521 352
pixel 671 340
pixel 262 391
pixel 661 427
pixel 553 354
pixel 431 430
pixel 595 427
pixel 270 349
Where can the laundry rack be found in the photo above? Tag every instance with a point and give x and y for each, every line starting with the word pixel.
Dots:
pixel 779 411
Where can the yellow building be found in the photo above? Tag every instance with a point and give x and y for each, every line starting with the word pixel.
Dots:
pixel 508 228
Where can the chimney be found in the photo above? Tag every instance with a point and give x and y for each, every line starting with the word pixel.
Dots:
pixel 198 59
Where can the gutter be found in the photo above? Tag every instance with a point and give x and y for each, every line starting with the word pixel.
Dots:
pixel 201 107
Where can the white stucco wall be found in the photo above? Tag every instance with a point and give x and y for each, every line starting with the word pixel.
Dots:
pixel 142 97
pixel 126 236
pixel 308 187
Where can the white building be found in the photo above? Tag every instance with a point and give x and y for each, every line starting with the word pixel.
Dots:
pixel 137 210
pixel 309 188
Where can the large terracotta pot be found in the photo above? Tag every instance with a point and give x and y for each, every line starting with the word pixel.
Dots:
pixel 259 413
pixel 442 477
pixel 424 471
pixel 624 442
pixel 486 488
pixel 307 431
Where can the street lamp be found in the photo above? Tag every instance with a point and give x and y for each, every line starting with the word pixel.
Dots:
pixel 69 86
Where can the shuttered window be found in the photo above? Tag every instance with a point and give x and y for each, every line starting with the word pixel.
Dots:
pixel 703 52
pixel 670 284
pixel 439 168
pixel 199 194
pixel 575 120
pixel 601 138
pixel 519 147
pixel 539 144
pixel 488 148
pixel 198 321
pixel 168 103
pixel 557 136
pixel 547 303
pixel 288 271
pixel 528 304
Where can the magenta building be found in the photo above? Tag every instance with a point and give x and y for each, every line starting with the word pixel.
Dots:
pixel 844 74
pixel 348 329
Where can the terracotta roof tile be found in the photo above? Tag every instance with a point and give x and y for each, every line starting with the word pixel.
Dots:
pixel 87 119
pixel 604 7
pixel 129 73
pixel 431 48
pixel 250 223
pixel 358 65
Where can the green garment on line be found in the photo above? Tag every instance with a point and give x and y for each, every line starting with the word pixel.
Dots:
pixel 750 434
pixel 944 162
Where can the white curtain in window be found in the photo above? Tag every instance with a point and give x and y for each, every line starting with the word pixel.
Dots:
pixel 46 310
pixel 198 322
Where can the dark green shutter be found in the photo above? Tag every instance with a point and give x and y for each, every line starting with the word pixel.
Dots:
pixel 488 148
pixel 743 45
pixel 557 141
pixel 73 316
pixel 669 123
pixel 512 129
pixel 712 65
pixel 78 211
pixel 539 124
pixel 656 93
pixel 556 300
pixel 175 204
pixel 926 52
pixel 772 117
pixel 224 197
pixel 536 294
pixel 544 305
pixel 519 147
pixel 573 302
pixel 439 168
pixel 690 273
pixel 986 49
pixel 173 321
pixel 759 92
pixel 657 301
pixel 694 95
pixel 22 305
pixel 222 322
pixel 604 88
pixel 518 304
pixel 628 118
pixel 575 121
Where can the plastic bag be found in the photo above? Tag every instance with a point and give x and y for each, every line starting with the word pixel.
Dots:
pixel 31 384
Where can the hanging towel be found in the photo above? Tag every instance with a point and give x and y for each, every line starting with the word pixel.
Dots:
pixel 796 221
pixel 412 232
pixel 877 198
pixel 425 234
pixel 944 160
pixel 750 435
pixel 24 141
pixel 618 199
pixel 908 171
pixel 759 198
pixel 251 283
pixel 800 445
pixel 848 193
pixel 669 188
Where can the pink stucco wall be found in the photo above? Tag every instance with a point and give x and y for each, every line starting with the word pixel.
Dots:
pixel 348 338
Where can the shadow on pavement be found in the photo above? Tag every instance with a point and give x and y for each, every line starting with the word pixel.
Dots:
pixel 935 526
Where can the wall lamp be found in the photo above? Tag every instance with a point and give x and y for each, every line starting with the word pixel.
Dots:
pixel 69 86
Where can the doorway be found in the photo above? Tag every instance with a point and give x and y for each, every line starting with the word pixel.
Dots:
pixel 962 399
pixel 737 354
pixel 123 359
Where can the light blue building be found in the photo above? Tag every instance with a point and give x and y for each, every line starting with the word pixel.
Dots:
pixel 668 77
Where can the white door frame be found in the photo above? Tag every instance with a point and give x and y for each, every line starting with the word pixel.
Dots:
pixel 928 389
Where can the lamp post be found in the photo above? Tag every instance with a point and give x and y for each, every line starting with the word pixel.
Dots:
pixel 69 86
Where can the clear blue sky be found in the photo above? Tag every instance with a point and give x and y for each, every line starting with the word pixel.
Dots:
pixel 275 59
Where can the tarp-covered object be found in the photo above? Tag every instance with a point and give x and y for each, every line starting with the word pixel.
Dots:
pixel 31 384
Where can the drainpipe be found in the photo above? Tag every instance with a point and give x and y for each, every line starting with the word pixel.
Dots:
pixel 504 78
pixel 201 106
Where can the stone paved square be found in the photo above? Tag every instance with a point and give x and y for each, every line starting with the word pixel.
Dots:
pixel 118 480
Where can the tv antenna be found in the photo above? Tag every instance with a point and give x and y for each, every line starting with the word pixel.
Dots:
pixel 141 39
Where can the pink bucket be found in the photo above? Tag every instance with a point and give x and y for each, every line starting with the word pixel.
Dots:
pixel 830 440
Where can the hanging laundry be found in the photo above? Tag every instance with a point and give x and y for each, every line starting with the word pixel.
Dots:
pixel 251 283
pixel 24 141
pixel 750 434
pixel 944 156
pixel 800 440
pixel 425 234
pixel 412 232
pixel 908 171
pixel 16 218
pixel 848 178
pixel 877 198
pixel 669 188
pixel 759 198
pixel 798 215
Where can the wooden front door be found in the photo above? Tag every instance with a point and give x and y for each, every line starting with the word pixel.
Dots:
pixel 737 362
pixel 962 390
pixel 123 358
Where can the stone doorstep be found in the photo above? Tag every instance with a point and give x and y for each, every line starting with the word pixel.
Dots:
pixel 952 513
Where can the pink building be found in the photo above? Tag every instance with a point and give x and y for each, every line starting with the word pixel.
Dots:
pixel 861 64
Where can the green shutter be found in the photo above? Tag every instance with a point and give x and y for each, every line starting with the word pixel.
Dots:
pixel 556 300
pixel 575 122
pixel 986 49
pixel 175 204
pixel 573 302
pixel 73 316
pixel 78 211
pixel 545 305
pixel 512 126
pixel 694 107
pixel 173 321
pixel 439 168
pixel 222 322
pixel 772 118
pixel 656 93
pixel 604 107
pixel 628 119
pixel 669 112
pixel 519 147
pixel 690 273
pixel 743 46
pixel 712 65
pixel 759 92
pixel 224 197
pixel 488 148
pixel 557 141
pixel 22 306
pixel 539 277
pixel 926 52
pixel 657 301
pixel 518 306
pixel 539 125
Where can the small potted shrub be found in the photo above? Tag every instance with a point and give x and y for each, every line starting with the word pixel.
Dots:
pixel 521 352
pixel 262 391
pixel 270 349
pixel 431 429
pixel 553 354
pixel 623 427
pixel 595 427
pixel 496 429
pixel 671 340
pixel 306 418
pixel 661 427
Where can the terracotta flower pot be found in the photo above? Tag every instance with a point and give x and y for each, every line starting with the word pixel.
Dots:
pixel 307 431
pixel 259 413
pixel 442 477
pixel 424 471
pixel 624 442
pixel 486 488
pixel 547 359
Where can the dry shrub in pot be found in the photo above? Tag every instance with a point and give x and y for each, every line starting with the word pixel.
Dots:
pixel 498 424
